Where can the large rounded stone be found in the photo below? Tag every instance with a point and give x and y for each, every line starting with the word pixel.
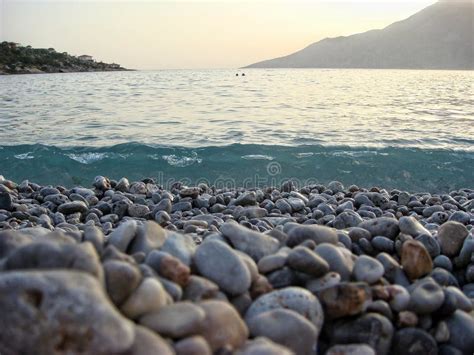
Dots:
pixel 409 225
pixel 178 320
pixel 146 342
pixel 416 260
pixel 149 236
pixel 451 236
pixel 222 325
pixel 49 255
pixel 461 325
pixel 199 288
pixel 336 259
pixel 123 235
pixel 149 296
pixel 295 298
pixel 247 198
pixel 6 202
pixel 368 269
pixel 181 246
pixel 347 219
pixel 298 233
pixel 345 299
pixel 426 296
pixel 217 261
pixel 73 207
pixel 195 345
pixel 287 328
pixel 256 245
pixel 52 312
pixel 371 328
pixel 263 346
pixel 121 279
pixel 305 260
pixel 384 226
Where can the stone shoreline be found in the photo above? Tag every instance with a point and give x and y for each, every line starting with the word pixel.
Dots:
pixel 130 268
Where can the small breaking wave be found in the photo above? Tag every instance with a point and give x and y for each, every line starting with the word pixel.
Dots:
pixel 410 169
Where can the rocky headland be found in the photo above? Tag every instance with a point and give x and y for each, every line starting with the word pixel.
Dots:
pixel 130 268
pixel 17 59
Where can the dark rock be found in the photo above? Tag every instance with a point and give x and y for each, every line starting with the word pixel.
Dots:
pixel 414 341
pixel 383 226
pixel 371 328
pixel 319 234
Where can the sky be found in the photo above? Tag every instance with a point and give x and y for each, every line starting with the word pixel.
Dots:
pixel 191 34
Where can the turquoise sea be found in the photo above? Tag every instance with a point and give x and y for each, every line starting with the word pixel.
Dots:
pixel 406 129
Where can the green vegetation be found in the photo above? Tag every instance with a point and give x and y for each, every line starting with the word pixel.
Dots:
pixel 17 59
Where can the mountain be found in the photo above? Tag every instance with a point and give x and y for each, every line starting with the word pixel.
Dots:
pixel 440 36
pixel 17 59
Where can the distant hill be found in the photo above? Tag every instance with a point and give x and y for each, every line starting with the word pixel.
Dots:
pixel 440 36
pixel 17 59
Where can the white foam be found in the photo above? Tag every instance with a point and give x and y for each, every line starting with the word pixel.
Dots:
pixel 24 156
pixel 181 161
pixel 257 157
pixel 87 158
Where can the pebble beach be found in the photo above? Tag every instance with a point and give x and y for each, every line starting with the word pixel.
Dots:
pixel 127 267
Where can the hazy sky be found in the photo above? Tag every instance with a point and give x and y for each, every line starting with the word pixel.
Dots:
pixel 191 34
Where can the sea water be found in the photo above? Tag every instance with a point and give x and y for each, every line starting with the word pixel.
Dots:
pixel 406 129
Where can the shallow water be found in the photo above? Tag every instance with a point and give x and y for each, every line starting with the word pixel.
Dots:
pixel 397 128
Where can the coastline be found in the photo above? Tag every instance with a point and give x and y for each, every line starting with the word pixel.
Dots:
pixel 316 269
pixel 37 71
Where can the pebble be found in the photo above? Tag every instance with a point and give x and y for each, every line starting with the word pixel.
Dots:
pixel 6 202
pixel 351 349
pixel 73 207
pixel 149 296
pixel 305 260
pixel 345 299
pixel 336 259
pixel 371 328
pixel 347 219
pixel 123 235
pixel 122 278
pixel 319 234
pixel 416 261
pixel 383 244
pixel 368 269
pixel 222 325
pixel 177 320
pixel 217 262
pixel 295 298
pixel 426 296
pixel 319 284
pixel 194 345
pixel 393 268
pixel 263 346
pixel 451 236
pixel 147 342
pixel 34 305
pixel 414 341
pixel 256 245
pixel 285 327
pixel 461 325
pixel 383 226
pixel 199 288
pixel 271 263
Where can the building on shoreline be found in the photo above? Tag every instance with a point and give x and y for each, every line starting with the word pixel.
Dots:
pixel 86 58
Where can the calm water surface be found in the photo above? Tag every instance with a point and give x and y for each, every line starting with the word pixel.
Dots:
pixel 398 128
